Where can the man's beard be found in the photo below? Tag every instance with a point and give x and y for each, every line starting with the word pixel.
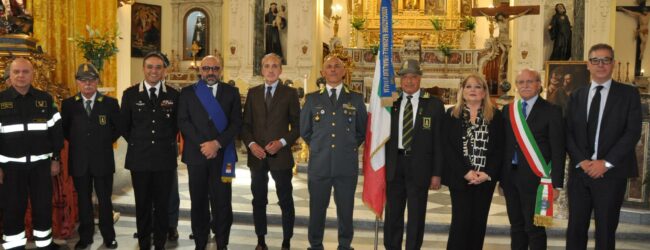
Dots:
pixel 211 80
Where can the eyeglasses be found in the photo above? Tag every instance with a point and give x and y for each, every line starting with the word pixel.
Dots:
pixel 208 68
pixel 599 60
pixel 520 82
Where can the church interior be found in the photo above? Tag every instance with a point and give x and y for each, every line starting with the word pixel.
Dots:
pixel 450 39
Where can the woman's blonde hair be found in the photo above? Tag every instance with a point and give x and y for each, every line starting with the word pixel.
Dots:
pixel 488 108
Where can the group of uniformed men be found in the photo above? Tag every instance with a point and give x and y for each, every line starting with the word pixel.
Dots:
pixel 208 115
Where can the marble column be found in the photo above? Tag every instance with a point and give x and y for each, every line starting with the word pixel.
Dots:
pixel 258 50
pixel 578 31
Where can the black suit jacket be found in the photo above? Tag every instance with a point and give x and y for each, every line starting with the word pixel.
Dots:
pixel 454 170
pixel 149 128
pixel 91 137
pixel 262 127
pixel 426 147
pixel 197 127
pixel 547 126
pixel 620 130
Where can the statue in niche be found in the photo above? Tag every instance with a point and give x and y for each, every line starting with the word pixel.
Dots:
pixel 435 7
pixel 411 4
pixel 560 31
pixel 199 37
pixel 274 22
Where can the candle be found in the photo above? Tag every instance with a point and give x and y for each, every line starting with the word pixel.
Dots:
pixel 304 83
pixel 642 72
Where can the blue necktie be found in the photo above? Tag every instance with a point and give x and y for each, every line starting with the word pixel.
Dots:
pixel 514 156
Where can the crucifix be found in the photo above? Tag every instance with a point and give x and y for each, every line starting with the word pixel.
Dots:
pixel 640 12
pixel 502 15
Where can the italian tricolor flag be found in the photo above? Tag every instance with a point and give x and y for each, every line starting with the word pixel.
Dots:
pixel 378 126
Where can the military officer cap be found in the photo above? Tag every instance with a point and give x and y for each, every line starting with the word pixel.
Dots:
pixel 158 54
pixel 87 71
pixel 410 66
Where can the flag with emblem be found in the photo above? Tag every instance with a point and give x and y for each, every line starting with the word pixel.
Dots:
pixel 378 130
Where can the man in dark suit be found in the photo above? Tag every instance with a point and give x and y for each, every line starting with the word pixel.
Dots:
pixel 148 123
pixel 518 180
pixel 90 126
pixel 209 118
pixel 603 128
pixel 333 123
pixel 271 126
pixel 413 158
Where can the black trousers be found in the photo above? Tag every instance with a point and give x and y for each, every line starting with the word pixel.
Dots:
pixel 34 184
pixel 174 203
pixel 604 197
pixel 284 191
pixel 470 207
pixel 320 190
pixel 401 193
pixel 152 198
pixel 104 190
pixel 520 204
pixel 206 186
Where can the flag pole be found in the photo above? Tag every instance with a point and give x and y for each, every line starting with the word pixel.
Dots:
pixel 376 232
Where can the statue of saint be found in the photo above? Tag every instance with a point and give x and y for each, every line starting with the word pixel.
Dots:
pixel 273 27
pixel 560 31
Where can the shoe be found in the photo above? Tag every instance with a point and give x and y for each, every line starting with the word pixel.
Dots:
pixel 54 246
pixel 110 244
pixel 172 235
pixel 260 247
pixel 285 248
pixel 82 245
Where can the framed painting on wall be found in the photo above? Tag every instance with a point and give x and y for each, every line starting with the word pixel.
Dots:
pixel 562 78
pixel 145 29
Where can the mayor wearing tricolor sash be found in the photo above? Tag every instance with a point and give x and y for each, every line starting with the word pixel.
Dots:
pixel 533 167
pixel 209 117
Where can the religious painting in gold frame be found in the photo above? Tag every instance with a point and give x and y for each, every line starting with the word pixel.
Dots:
pixel 562 78
pixel 196 34
pixel 145 29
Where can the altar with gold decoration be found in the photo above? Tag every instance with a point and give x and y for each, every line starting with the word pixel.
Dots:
pixel 438 34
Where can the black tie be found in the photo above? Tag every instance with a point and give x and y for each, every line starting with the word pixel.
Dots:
pixel 592 120
pixel 333 96
pixel 152 94
pixel 268 97
pixel 88 107
pixel 407 124
pixel 211 90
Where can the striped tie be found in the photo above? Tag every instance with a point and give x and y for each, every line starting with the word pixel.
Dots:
pixel 87 107
pixel 407 124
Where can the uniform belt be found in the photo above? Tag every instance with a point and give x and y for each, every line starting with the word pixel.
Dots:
pixel 404 152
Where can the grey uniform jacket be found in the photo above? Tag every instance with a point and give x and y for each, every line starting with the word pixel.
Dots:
pixel 333 132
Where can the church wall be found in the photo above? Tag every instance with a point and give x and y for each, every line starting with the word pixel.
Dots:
pixel 129 70
pixel 302 29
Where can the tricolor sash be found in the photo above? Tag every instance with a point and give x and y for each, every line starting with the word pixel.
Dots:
pixel 220 120
pixel 528 145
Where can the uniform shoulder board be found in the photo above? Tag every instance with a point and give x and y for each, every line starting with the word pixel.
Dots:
pixel 426 95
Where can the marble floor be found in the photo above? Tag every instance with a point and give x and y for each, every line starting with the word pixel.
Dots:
pixel 242 238
pixel 629 236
